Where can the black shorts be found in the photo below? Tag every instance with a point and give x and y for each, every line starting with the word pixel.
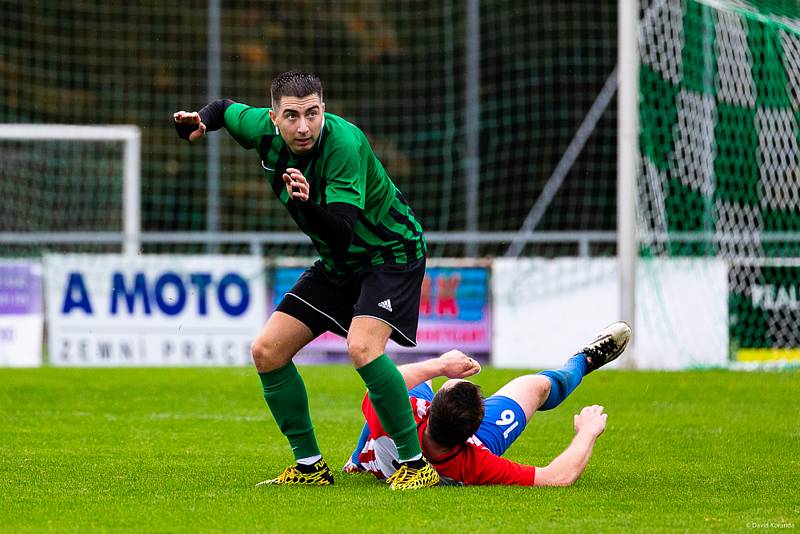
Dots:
pixel 325 301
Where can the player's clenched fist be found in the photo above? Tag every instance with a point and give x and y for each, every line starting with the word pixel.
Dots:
pixel 456 364
pixel 189 125
pixel 591 419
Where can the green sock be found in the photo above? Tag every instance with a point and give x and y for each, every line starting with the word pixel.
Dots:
pixel 389 396
pixel 286 397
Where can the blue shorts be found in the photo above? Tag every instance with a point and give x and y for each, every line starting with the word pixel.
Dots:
pixel 503 419
pixel 503 422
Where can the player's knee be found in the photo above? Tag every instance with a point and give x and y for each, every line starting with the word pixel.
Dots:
pixel 542 388
pixel 361 352
pixel 259 354
pixel 265 356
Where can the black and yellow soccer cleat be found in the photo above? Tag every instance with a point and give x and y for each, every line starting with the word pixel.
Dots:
pixel 608 345
pixel 318 474
pixel 414 475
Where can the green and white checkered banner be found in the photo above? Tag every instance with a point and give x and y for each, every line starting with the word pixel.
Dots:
pixel 720 166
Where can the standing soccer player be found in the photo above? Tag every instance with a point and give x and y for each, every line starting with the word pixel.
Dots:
pixel 366 284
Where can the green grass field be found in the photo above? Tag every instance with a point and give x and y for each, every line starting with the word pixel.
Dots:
pixel 180 450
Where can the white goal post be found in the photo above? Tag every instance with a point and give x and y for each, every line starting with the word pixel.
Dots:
pixel 130 136
pixel 627 162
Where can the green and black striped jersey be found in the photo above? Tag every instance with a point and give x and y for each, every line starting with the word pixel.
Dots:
pixel 342 168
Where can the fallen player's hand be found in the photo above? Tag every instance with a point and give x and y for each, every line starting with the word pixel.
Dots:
pixel 456 364
pixel 591 419
pixel 186 121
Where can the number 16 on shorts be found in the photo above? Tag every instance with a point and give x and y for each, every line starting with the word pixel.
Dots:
pixel 507 420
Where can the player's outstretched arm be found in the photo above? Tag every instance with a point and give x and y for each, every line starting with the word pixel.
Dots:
pixel 568 466
pixel 452 364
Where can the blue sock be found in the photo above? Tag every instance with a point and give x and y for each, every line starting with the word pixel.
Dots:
pixel 362 440
pixel 564 381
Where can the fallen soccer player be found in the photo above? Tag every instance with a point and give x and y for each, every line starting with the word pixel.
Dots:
pixel 464 436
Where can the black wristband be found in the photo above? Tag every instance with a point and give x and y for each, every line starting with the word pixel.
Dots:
pixel 184 129
pixel 213 115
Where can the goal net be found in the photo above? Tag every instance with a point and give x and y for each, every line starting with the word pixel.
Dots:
pixel 69 188
pixel 720 166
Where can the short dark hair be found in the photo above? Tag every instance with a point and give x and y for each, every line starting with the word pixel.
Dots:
pixel 294 83
pixel 456 413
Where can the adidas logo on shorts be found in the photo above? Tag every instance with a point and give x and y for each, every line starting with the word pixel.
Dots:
pixel 386 305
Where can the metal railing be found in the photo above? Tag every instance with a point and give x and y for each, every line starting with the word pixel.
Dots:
pixel 256 240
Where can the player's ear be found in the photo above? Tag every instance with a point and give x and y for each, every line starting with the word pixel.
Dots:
pixel 322 106
pixel 272 116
